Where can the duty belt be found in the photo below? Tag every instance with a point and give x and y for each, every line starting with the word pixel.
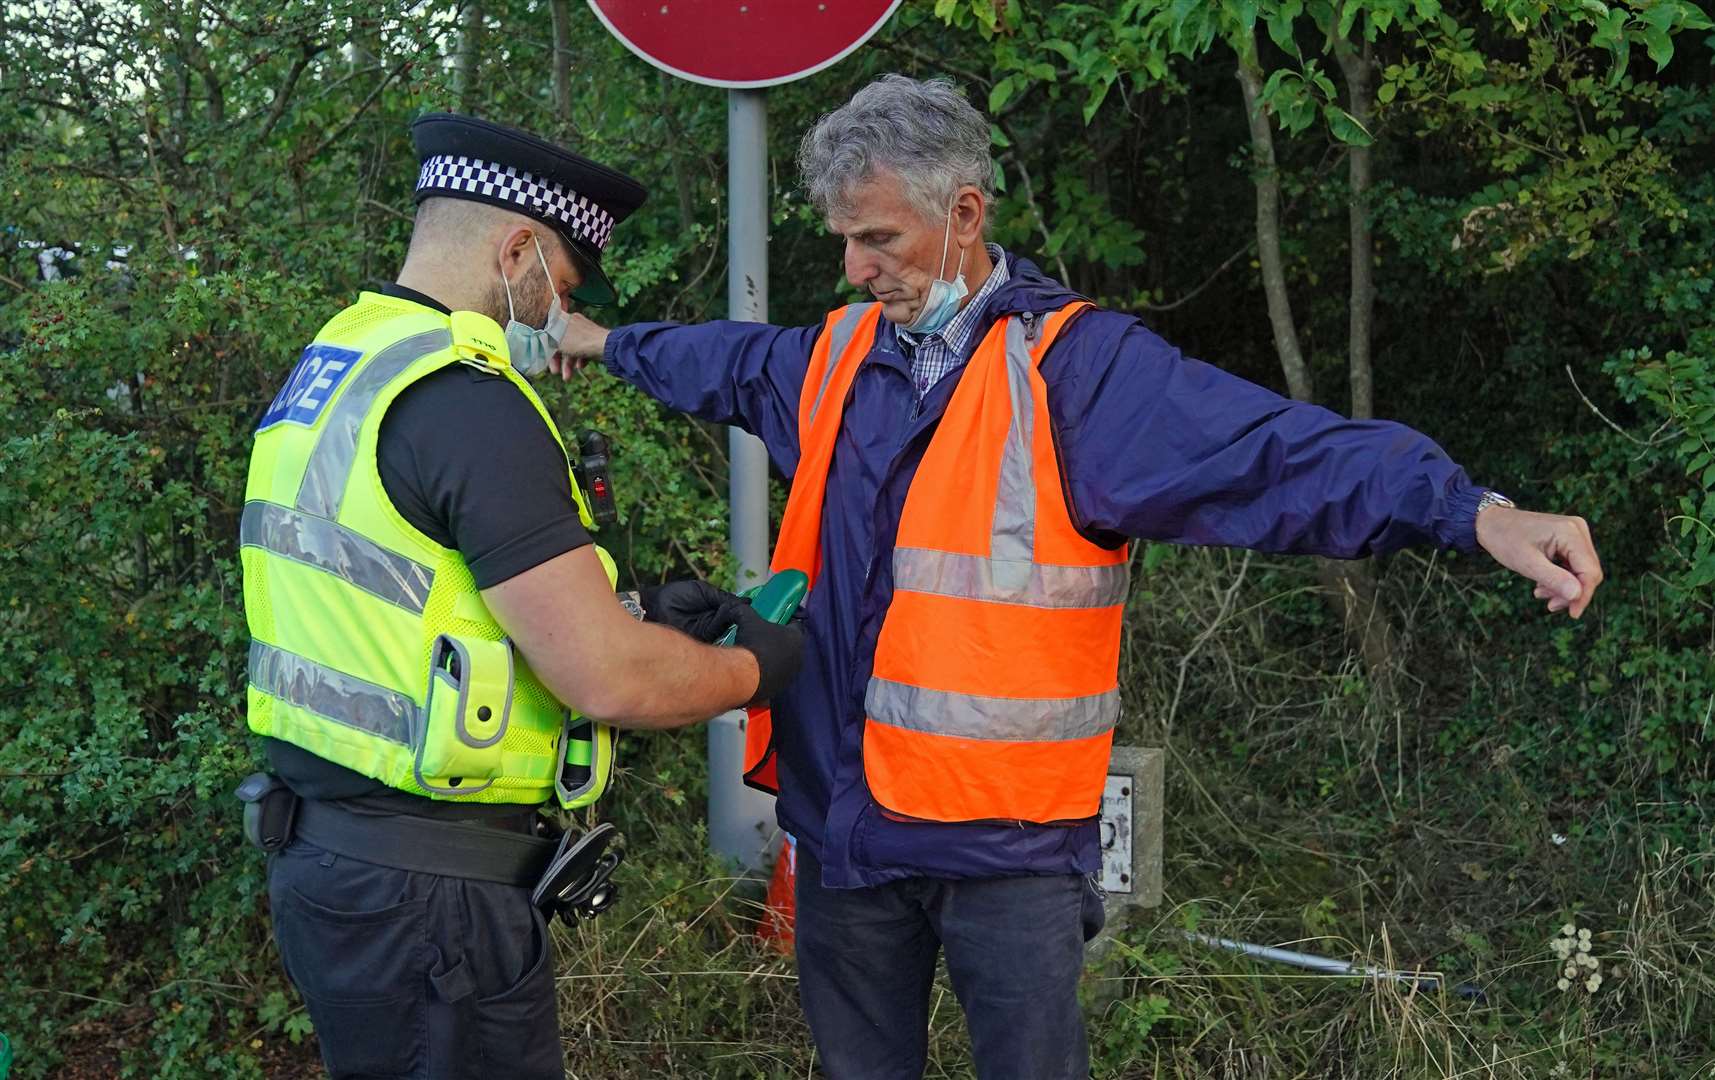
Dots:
pixel 568 874
pixel 425 846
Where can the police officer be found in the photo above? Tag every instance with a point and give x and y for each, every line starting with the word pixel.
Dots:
pixel 437 648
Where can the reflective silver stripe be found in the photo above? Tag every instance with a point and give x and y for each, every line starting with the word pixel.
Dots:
pixel 838 339
pixel 1013 540
pixel 972 577
pixel 325 545
pixel 342 698
pixel 323 486
pixel 971 717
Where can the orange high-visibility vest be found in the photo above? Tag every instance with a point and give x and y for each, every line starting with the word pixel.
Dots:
pixel 995 685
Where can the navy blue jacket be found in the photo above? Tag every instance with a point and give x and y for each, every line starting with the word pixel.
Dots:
pixel 1153 446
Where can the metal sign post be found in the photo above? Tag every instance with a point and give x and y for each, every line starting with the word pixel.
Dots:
pixel 747 301
pixel 741 819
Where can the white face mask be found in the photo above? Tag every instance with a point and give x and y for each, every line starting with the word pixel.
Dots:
pixel 944 297
pixel 531 348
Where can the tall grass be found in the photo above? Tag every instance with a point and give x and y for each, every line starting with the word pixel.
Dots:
pixel 1427 837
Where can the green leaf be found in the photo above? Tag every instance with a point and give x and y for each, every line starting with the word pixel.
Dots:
pixel 1345 126
pixel 1240 13
pixel 1660 45
pixel 1065 48
pixel 1098 94
pixel 1001 94
pixel 1348 16
pixel 1280 30
pixel 1323 82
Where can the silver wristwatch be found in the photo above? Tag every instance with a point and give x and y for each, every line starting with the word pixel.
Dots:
pixel 1492 498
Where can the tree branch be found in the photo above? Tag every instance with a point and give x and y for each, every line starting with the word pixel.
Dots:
pixel 283 96
pixel 1208 281
pixel 1267 182
pixel 1036 212
pixel 337 133
pixel 1357 68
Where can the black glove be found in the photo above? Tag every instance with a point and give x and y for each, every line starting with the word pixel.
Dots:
pixel 691 606
pixel 778 649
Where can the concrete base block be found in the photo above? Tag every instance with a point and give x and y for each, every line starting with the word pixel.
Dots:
pixel 1131 838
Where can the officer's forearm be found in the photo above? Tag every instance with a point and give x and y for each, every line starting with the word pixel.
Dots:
pixel 660 678
pixel 592 655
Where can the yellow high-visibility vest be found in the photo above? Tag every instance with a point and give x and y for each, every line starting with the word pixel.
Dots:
pixel 371 646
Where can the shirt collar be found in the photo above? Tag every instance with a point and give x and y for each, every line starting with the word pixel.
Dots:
pixel 956 335
pixel 402 292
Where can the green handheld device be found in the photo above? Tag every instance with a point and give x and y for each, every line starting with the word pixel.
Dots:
pixel 776 600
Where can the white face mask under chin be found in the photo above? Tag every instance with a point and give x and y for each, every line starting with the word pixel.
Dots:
pixel 944 297
pixel 531 347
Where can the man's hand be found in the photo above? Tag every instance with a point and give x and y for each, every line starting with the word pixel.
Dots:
pixel 1554 551
pixel 583 342
pixel 778 649
pixel 690 606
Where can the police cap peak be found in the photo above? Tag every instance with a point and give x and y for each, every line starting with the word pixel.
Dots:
pixel 464 157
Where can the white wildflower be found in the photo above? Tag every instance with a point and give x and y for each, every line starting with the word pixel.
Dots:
pixel 1592 983
pixel 1584 935
pixel 1561 947
pixel 1569 930
pixel 1563 984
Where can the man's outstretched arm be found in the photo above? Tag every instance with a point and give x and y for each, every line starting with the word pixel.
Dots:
pixel 1161 447
pixel 747 374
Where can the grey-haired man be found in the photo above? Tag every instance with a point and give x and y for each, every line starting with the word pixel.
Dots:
pixel 1147 444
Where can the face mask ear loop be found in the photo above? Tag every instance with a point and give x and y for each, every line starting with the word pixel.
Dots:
pixel 548 275
pixel 946 238
pixel 507 285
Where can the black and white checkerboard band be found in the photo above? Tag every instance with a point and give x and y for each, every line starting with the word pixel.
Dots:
pixel 587 221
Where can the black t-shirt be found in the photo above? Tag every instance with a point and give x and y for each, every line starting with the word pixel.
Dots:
pixel 466 459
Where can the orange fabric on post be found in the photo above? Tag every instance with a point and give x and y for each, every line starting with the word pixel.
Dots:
pixel 780 903
pixel 998 650
pixel 947 778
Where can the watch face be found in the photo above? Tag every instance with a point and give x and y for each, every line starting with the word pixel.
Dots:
pixel 632 605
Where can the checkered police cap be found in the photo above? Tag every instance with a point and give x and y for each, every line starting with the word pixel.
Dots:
pixel 464 157
pixel 567 209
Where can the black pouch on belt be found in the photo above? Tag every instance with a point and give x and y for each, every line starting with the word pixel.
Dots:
pixel 270 811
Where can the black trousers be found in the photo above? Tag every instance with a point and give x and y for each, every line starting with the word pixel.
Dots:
pixel 1015 951
pixel 415 976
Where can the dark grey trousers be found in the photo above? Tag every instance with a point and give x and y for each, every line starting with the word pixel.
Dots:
pixel 416 976
pixel 1015 950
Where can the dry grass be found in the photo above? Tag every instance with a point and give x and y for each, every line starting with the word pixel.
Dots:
pixel 1298 814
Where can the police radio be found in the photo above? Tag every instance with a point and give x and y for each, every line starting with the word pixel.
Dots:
pixel 593 479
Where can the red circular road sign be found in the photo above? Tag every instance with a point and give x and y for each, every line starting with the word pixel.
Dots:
pixel 742 43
